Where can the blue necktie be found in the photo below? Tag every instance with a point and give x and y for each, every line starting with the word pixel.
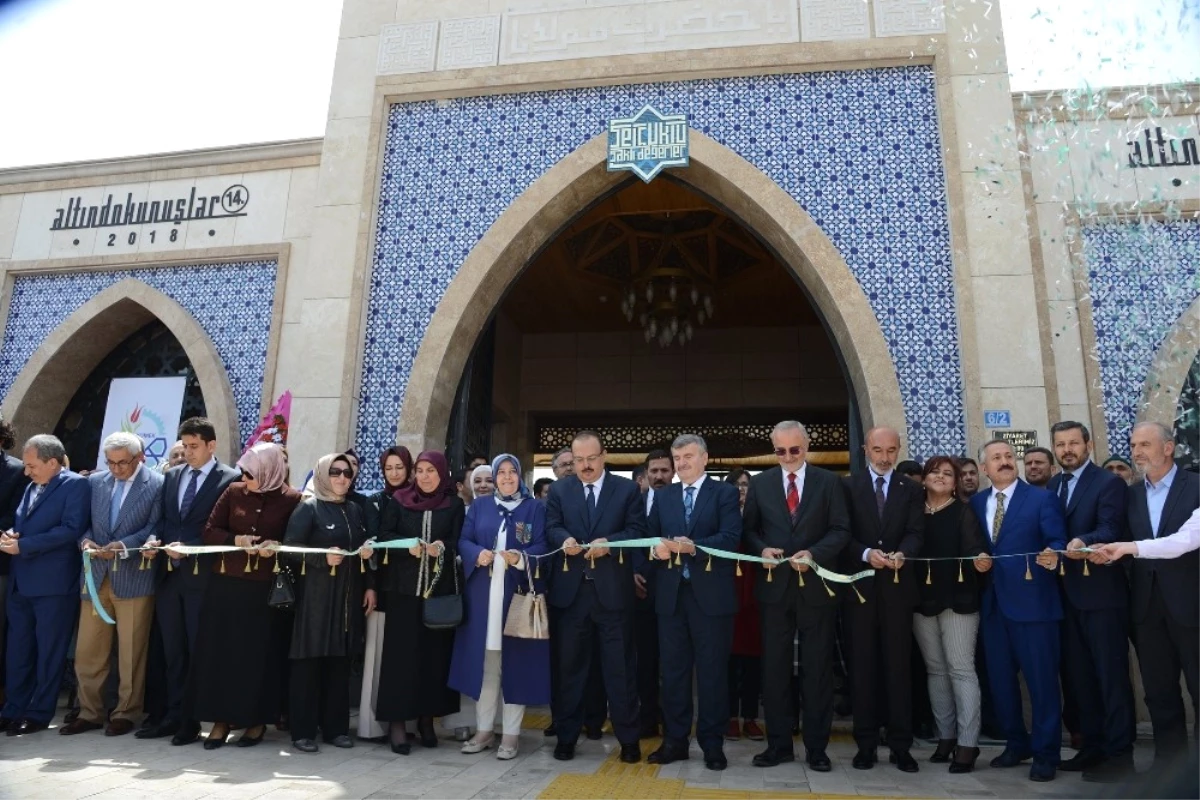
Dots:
pixel 689 502
pixel 591 505
pixel 115 512
pixel 189 494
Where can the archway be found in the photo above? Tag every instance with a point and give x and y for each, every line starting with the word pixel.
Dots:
pixel 578 181
pixel 1169 370
pixel 54 372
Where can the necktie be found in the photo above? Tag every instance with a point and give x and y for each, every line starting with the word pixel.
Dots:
pixel 879 497
pixel 591 504
pixel 1064 488
pixel 689 503
pixel 189 494
pixel 793 496
pixel 35 491
pixel 115 511
pixel 998 520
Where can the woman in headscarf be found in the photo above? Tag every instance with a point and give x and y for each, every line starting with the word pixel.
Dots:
pixel 416 659
pixel 329 596
pixel 396 464
pixel 499 535
pixel 481 481
pixel 235 679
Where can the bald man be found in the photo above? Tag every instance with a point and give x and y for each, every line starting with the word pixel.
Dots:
pixel 886 525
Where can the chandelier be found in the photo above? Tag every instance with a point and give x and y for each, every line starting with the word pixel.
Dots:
pixel 668 303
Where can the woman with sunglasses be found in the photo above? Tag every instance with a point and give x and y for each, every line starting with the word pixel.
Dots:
pixel 499 535
pixel 235 678
pixel 416 659
pixel 396 464
pixel 329 596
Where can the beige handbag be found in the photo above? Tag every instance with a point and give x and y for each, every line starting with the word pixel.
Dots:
pixel 527 615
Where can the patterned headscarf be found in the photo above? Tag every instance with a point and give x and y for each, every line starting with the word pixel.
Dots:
pixel 509 502
pixel 322 484
pixel 265 462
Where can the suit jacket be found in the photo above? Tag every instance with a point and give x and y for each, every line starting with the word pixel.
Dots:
pixel 716 522
pixel 1033 521
pixel 190 529
pixel 822 527
pixel 1177 577
pixel 140 518
pixel 50 527
pixel 900 529
pixel 620 514
pixel 12 488
pixel 1095 515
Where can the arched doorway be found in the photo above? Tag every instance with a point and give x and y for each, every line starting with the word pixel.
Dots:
pixel 727 182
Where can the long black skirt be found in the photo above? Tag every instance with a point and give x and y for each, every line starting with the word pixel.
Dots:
pixel 235 670
pixel 415 665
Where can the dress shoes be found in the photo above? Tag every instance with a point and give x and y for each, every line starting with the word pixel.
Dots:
pixel 118 727
pixel 6 723
pixel 1041 772
pixel 773 758
pixel 342 741
pixel 864 759
pixel 79 726
pixel 211 742
pixel 964 760
pixel 631 753
pixel 26 726
pixel 249 741
pixel 818 761
pixel 186 735
pixel 667 754
pixel 715 760
pixel 944 751
pixel 1084 759
pixel 550 731
pixel 564 751
pixel 905 762
pixel 305 745
pixel 1110 770
pixel 159 731
pixel 1010 758
pixel 593 732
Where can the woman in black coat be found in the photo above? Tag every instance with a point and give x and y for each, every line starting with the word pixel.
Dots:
pixel 329 594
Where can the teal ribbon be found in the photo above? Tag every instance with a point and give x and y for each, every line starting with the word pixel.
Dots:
pixel 828 575
pixel 90 581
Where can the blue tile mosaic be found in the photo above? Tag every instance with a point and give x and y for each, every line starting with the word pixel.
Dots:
pixel 232 303
pixel 859 150
pixel 1143 276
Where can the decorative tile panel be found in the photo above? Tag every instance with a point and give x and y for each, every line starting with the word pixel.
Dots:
pixel 829 20
pixel 407 47
pixel 465 43
pixel 1142 276
pixel 909 17
pixel 231 302
pixel 859 150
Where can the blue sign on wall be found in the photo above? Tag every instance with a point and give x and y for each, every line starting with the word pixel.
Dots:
pixel 997 419
pixel 647 143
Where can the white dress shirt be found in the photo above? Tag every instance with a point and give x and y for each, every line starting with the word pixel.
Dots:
pixel 887 485
pixel 598 483
pixel 649 501
pixel 990 512
pixel 1156 498
pixel 187 478
pixel 1185 540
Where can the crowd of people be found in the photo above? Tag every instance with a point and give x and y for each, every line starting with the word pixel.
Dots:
pixel 906 580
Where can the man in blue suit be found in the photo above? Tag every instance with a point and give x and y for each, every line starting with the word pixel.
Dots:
pixel 1021 609
pixel 1095 631
pixel 593 590
pixel 42 599
pixel 126 512
pixel 695 600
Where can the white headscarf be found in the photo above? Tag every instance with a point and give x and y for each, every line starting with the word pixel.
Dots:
pixel 482 469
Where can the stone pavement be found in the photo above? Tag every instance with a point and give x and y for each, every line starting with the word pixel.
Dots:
pixel 47 765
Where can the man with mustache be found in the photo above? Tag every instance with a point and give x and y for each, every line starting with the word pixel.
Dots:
pixel 1021 609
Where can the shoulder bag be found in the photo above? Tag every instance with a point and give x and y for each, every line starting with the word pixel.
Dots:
pixel 283 591
pixel 527 615
pixel 444 611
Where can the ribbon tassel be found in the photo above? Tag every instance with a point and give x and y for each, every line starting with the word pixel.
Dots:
pixel 362 565
pixel 116 563
pixel 677 559
pixel 223 563
pixel 895 576
pixel 170 567
pixel 1085 567
pixel 1028 573
pixel 196 565
pixel 708 566
pixel 303 565
pixel 861 599
pixel 333 570
pixel 739 568
pixel 770 574
pixel 929 572
pixel 276 569
pixel 960 575
pixel 800 578
pixel 247 569
pixel 386 551
pixel 565 563
pixel 621 555
pixel 1062 569
pixel 537 570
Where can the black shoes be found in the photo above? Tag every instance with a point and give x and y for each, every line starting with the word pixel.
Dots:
pixel 305 745
pixel 905 762
pixel 715 760
pixel 249 741
pixel 964 760
pixel 667 754
pixel 25 726
pixel 341 740
pixel 819 762
pixel 1010 758
pixel 945 749
pixel 186 735
pixel 593 732
pixel 631 753
pixel 550 730
pixel 1041 772
pixel 773 758
pixel 864 759
pixel 564 751
pixel 159 731
pixel 1083 760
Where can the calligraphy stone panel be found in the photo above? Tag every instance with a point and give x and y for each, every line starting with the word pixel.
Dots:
pixel 407 47
pixel 830 20
pixel 909 17
pixel 471 42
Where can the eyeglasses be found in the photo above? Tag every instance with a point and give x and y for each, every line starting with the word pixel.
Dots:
pixel 794 450
pixel 246 476
pixel 119 464
pixel 338 472
pixel 588 459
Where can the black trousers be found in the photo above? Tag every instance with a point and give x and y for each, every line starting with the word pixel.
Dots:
pixel 1165 648
pixel 320 689
pixel 584 626
pixel 178 614
pixel 595 699
pixel 645 634
pixel 881 640
pixel 780 622
pixel 1096 665
pixel 745 686
pixel 691 641
pixel 156 676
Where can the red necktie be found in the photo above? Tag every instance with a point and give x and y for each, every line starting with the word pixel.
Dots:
pixel 793 496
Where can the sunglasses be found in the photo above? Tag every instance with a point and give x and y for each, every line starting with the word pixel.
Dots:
pixel 246 476
pixel 338 472
pixel 794 450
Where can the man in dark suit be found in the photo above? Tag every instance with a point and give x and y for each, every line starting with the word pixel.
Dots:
pixel 1166 614
pixel 659 470
pixel 593 590
pixel 1021 609
pixel 1095 655
pixel 696 602
pixel 43 584
pixel 886 525
pixel 189 493
pixel 13 481
pixel 795 510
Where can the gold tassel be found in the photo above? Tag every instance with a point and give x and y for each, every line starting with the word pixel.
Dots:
pixel 708 566
pixel 170 568
pixel 770 574
pixel 621 556
pixel 830 591
pixel 142 563
pixel 677 561
pixel 668 562
pixel 929 572
pixel 386 550
pixel 362 565
pixel 895 576
pixel 1028 574
pixel 800 578
pixel 223 563
pixel 1085 567
pixel 960 577
pixel 116 563
pixel 489 570
pixel 94 614
pixel 739 567
pixel 257 558
pixel 565 563
pixel 276 569
pixel 196 565
pixel 247 569
pixel 1062 568
pixel 861 599
pixel 303 565
pixel 537 570
pixel 651 556
pixel 333 570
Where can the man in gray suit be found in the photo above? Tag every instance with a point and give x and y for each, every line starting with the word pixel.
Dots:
pixel 126 512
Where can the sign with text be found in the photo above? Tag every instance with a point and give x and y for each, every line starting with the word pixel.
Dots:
pixel 75 215
pixel 1020 440
pixel 996 418
pixel 148 407
pixel 647 143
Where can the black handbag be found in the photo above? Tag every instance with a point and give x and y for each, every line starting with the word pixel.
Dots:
pixel 444 611
pixel 283 590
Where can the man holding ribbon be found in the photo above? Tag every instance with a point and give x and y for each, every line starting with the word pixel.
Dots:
pixel 126 512
pixel 695 601
pixel 796 512
pixel 1021 609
